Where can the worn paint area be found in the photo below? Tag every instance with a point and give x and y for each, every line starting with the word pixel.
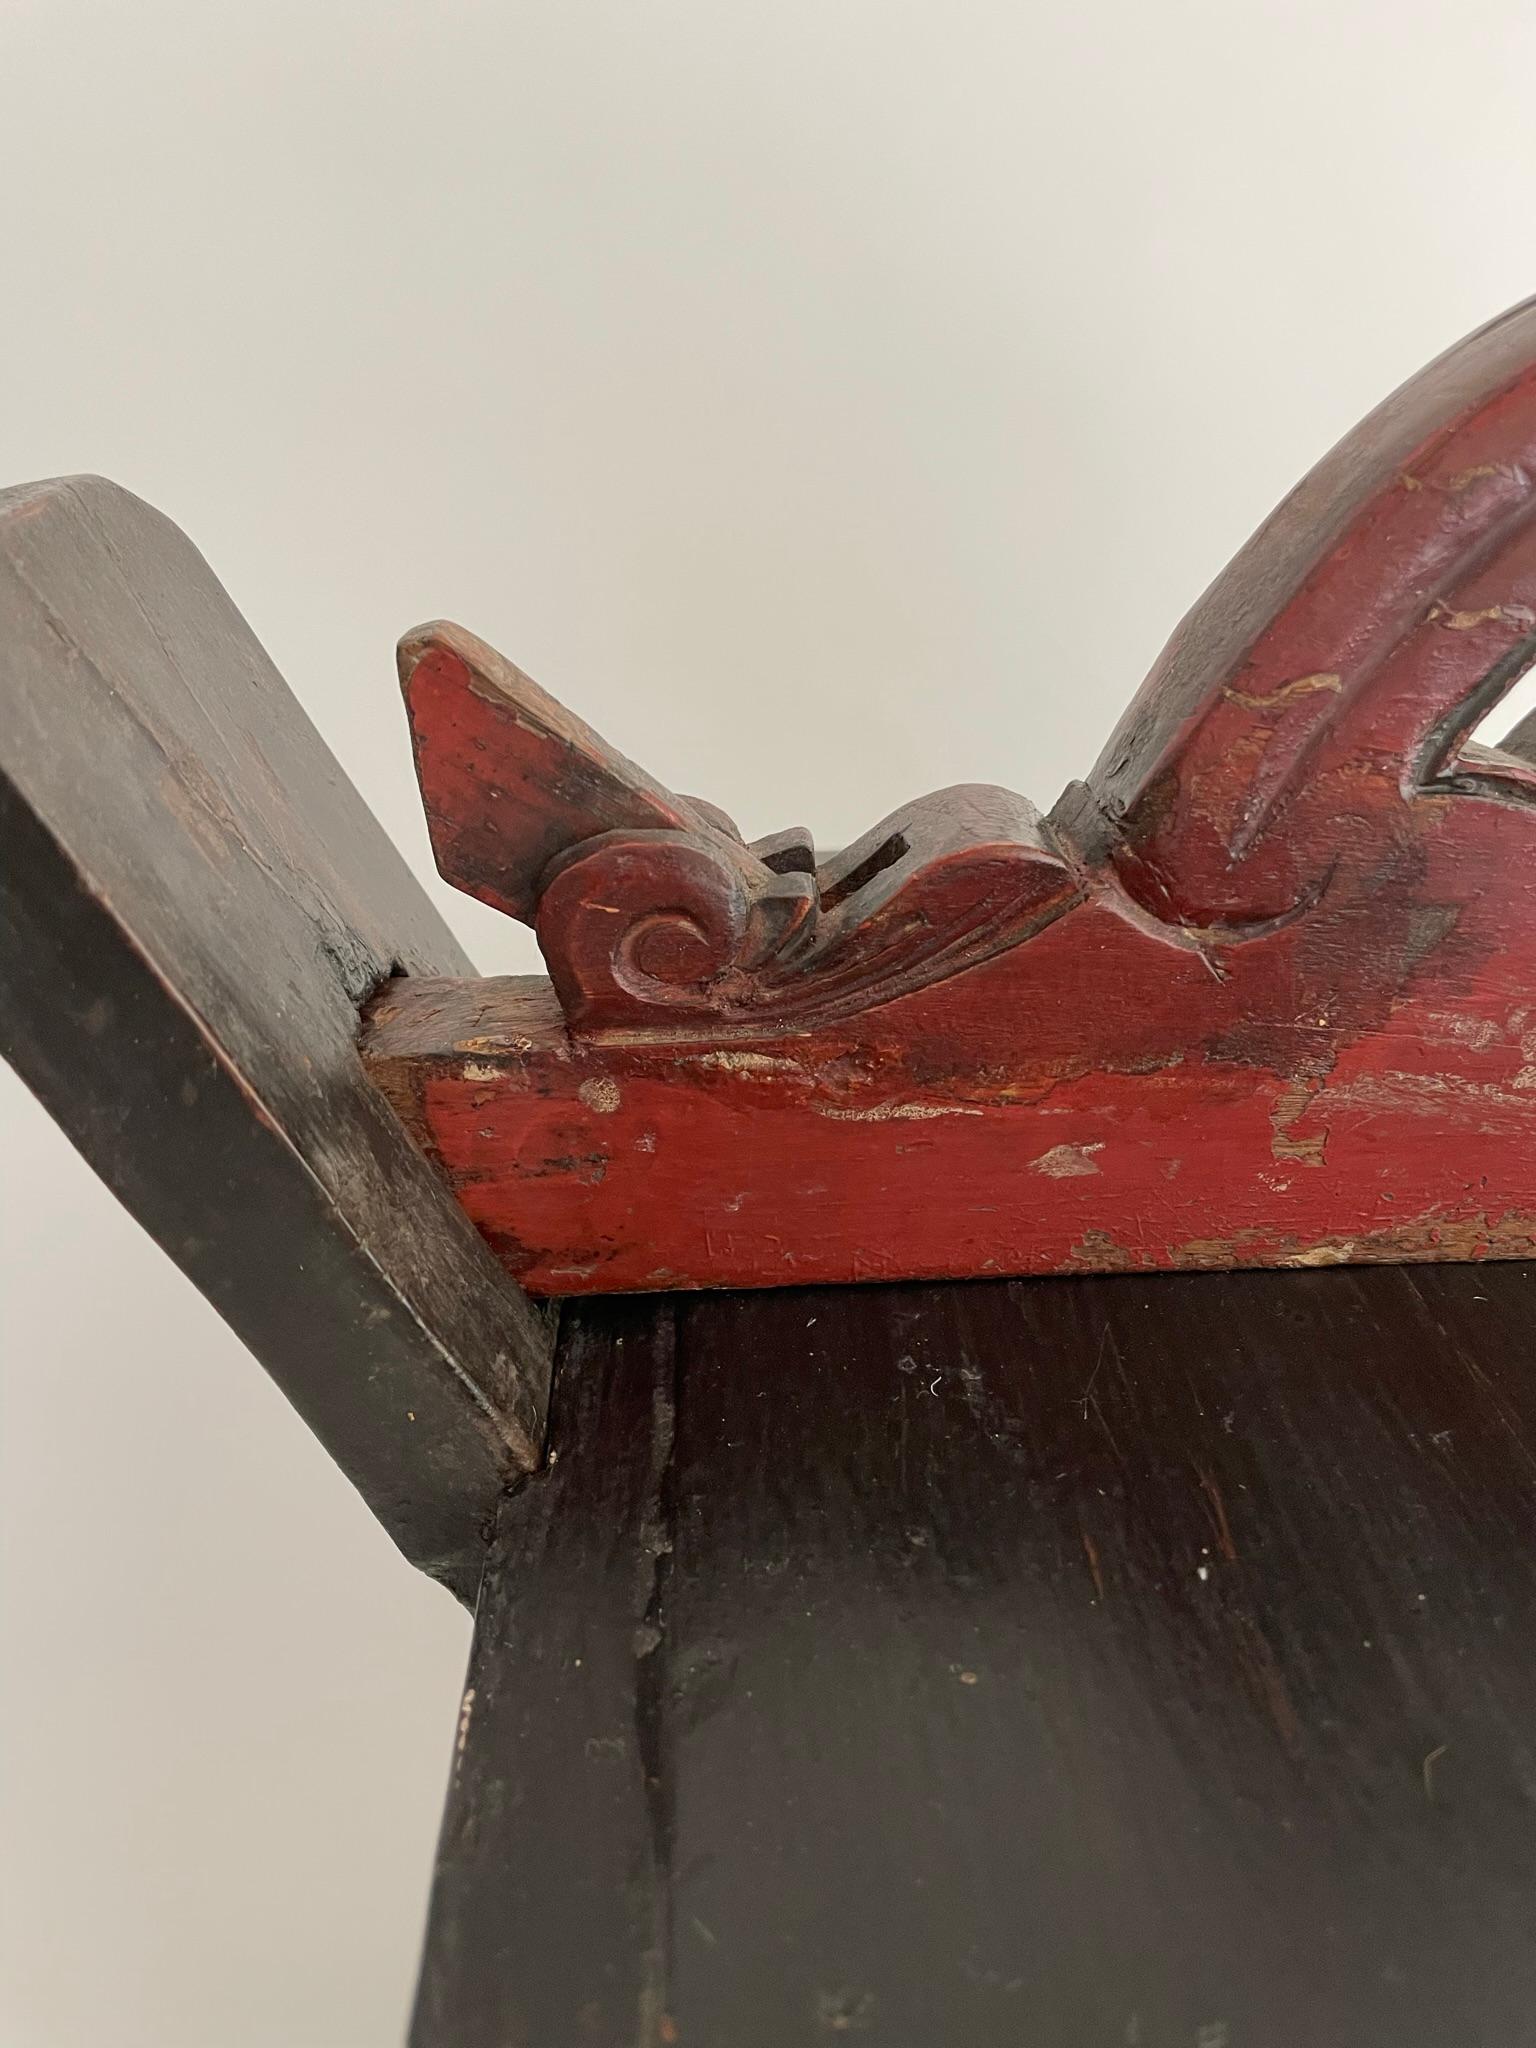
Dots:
pixel 1255 993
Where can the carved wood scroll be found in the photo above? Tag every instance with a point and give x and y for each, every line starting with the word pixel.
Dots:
pixel 1261 991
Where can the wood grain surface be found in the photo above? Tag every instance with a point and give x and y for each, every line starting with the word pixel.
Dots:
pixel 1115 1661
pixel 194 902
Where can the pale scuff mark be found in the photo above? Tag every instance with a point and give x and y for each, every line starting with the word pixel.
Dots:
pixel 1289 1106
pixel 894 1112
pixel 1463 622
pixel 477 1070
pixel 1427 1769
pixel 1432 1094
pixel 1302 686
pixel 1478 1032
pixel 1465 478
pixel 1066 1162
pixel 1097 1252
pixel 466 1710
pixel 601 1094
pixel 744 1062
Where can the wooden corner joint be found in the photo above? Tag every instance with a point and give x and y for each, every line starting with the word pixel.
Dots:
pixel 1258 991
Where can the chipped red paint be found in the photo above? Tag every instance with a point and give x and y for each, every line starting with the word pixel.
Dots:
pixel 1262 991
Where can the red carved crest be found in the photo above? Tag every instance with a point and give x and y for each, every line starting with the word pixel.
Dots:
pixel 1261 990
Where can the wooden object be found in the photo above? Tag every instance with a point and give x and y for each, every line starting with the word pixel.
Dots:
pixel 1258 992
pixel 1136 1661
pixel 1128 1659
pixel 193 904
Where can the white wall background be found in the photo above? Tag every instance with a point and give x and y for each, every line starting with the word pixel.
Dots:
pixel 831 399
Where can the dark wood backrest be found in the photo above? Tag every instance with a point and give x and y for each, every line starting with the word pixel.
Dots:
pixel 193 903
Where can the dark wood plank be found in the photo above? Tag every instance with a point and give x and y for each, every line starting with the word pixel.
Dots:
pixel 193 904
pixel 548 1915
pixel 1116 1661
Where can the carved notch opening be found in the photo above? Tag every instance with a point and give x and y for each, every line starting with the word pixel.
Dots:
pixel 884 856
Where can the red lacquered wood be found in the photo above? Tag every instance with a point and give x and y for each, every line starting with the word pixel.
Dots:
pixel 1261 991
pixel 509 777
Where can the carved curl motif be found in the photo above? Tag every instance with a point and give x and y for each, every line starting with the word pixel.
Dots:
pixel 651 911
pixel 633 923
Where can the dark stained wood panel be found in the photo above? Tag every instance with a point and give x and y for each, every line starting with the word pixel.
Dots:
pixel 193 904
pixel 549 1919
pixel 1123 1661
